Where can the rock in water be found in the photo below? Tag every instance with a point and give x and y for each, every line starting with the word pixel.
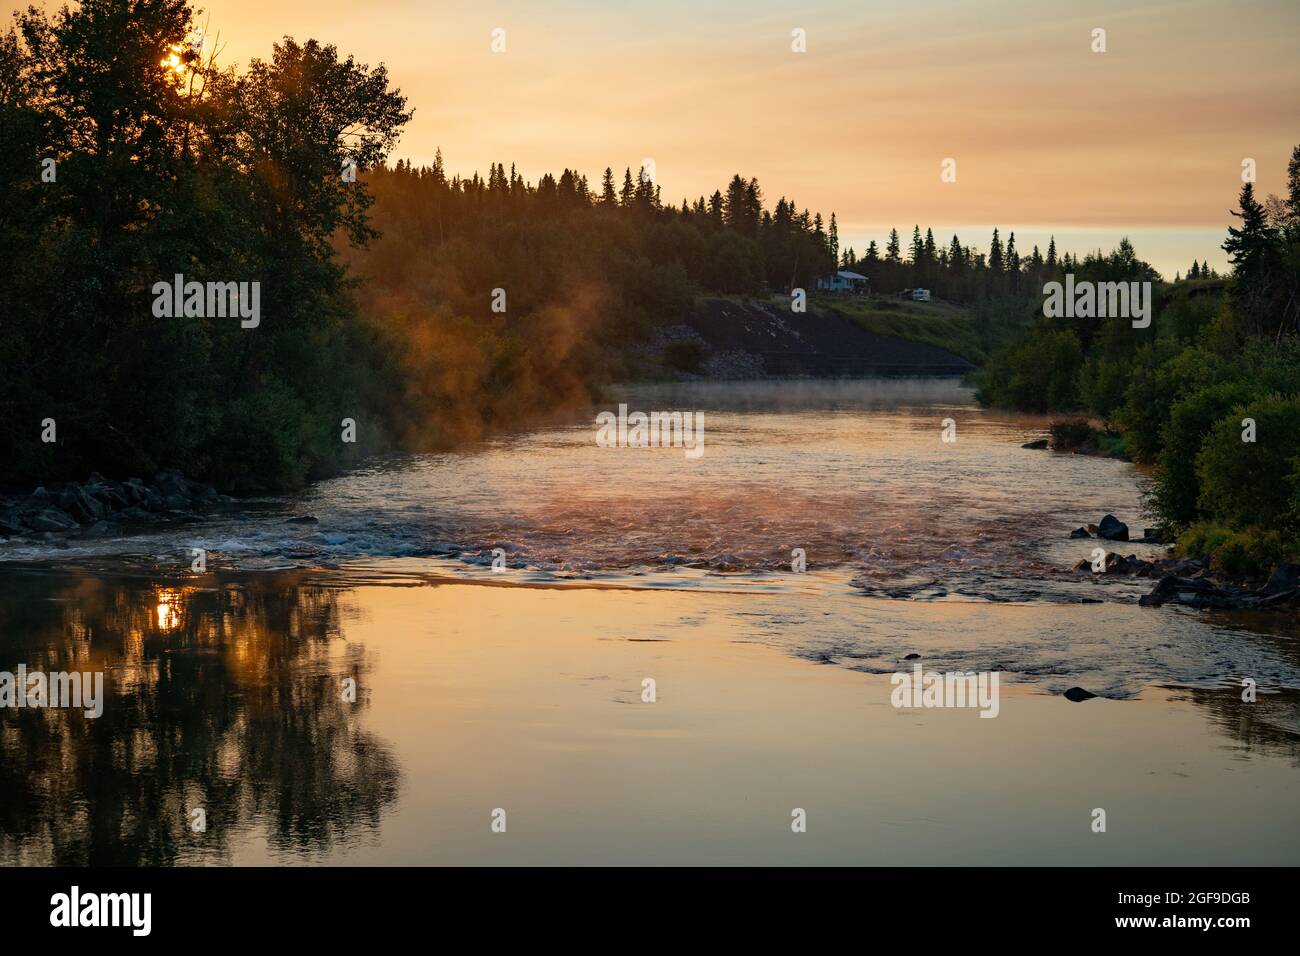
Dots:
pixel 1285 577
pixel 1112 529
pixel 1080 533
pixel 1036 443
pixel 1078 694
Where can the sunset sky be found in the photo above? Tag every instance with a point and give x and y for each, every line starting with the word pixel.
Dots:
pixel 1146 139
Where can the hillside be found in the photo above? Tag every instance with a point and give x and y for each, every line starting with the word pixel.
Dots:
pixel 727 338
pixel 969 333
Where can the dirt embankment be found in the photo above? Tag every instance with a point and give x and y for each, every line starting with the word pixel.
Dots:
pixel 725 339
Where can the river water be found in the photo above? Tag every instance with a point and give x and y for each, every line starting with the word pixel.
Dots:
pixel 520 685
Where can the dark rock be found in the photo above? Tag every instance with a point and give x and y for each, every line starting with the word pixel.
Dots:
pixel 303 519
pixel 137 492
pixel 50 519
pixel 1285 577
pixel 1112 529
pixel 1035 444
pixel 1281 599
pixel 1092 529
pixel 10 522
pixel 1077 694
pixel 1168 587
pixel 38 500
pixel 911 657
pixel 111 494
pixel 1080 533
pixel 172 484
pixel 176 502
pixel 77 502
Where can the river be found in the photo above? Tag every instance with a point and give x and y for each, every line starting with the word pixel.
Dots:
pixel 499 610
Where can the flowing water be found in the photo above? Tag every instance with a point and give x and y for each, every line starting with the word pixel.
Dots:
pixel 481 684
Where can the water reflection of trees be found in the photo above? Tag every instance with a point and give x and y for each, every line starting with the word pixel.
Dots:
pixel 1268 725
pixel 224 695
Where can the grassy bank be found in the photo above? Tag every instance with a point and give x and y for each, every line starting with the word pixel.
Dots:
pixel 973 331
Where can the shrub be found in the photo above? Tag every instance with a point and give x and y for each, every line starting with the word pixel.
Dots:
pixel 1244 483
pixel 1071 433
pixel 1176 487
pixel 1038 373
pixel 1251 552
pixel 1202 540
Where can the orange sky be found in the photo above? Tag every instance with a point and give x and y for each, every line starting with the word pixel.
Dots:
pixel 1145 139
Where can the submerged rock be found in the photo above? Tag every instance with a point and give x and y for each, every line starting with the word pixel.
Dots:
pixel 303 519
pixel 1035 444
pixel 1078 694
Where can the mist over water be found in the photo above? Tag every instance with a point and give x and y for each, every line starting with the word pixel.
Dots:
pixel 891 518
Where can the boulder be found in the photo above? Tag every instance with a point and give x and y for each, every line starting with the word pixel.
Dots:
pixel 1077 694
pixel 1170 586
pixel 38 500
pixel 172 484
pixel 136 491
pixel 77 502
pixel 10 522
pixel 109 493
pixel 50 519
pixel 1285 577
pixel 1080 533
pixel 1112 529
pixel 1035 444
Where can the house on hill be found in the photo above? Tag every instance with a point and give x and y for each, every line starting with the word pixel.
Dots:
pixel 844 282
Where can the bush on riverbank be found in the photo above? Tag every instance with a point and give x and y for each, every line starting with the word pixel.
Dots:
pixel 1248 553
pixel 1209 394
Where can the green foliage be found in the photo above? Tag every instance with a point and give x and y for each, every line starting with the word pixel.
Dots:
pixel 1178 392
pixel 195 171
pixel 1251 552
pixel 1102 384
pixel 971 332
pixel 1038 373
pixel 1176 488
pixel 1245 483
